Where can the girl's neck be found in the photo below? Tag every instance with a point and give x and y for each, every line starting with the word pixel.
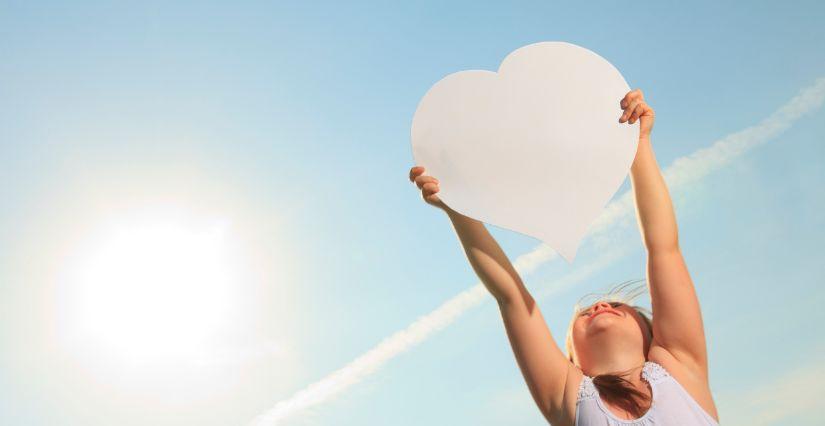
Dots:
pixel 618 361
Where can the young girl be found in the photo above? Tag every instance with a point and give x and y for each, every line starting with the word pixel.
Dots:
pixel 622 367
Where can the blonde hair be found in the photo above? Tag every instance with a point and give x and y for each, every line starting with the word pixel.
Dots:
pixel 626 292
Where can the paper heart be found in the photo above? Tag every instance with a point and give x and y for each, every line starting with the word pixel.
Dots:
pixel 536 148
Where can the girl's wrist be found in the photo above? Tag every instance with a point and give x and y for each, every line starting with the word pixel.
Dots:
pixel 458 217
pixel 451 213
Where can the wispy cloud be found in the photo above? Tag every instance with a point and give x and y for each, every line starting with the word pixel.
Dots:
pixel 684 171
pixel 403 340
pixel 693 167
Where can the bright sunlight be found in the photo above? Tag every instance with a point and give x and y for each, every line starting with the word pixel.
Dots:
pixel 151 292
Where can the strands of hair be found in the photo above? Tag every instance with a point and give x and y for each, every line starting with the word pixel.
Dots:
pixel 619 391
pixel 625 292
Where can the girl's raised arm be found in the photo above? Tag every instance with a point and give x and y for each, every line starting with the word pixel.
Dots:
pixel 677 319
pixel 544 367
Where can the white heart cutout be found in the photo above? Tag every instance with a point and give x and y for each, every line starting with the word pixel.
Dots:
pixel 535 148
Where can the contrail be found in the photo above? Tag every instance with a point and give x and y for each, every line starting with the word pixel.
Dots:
pixel 684 171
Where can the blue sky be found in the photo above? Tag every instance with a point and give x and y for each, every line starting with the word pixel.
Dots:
pixel 290 123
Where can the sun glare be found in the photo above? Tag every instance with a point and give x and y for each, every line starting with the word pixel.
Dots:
pixel 151 292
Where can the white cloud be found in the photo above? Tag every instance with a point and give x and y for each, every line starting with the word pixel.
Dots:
pixel 679 175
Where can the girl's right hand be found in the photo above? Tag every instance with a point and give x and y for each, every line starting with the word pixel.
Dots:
pixel 428 186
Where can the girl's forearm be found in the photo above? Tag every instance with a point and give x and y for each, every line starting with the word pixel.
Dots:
pixel 654 209
pixel 487 258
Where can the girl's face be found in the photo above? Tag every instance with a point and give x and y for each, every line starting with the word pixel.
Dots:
pixel 608 320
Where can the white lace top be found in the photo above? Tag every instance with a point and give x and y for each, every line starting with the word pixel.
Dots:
pixel 671 405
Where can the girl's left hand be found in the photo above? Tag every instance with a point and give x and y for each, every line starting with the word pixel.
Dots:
pixel 635 108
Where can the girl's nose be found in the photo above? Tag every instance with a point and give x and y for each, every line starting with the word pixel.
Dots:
pixel 600 306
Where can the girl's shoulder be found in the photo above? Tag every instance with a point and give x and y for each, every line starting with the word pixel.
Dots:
pixel 696 385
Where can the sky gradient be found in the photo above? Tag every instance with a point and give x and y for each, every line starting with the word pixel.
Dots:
pixel 286 126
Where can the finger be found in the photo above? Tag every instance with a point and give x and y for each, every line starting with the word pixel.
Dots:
pixel 629 110
pixel 415 172
pixel 429 189
pixel 630 97
pixel 625 101
pixel 640 110
pixel 421 180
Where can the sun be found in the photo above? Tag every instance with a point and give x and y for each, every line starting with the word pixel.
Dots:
pixel 151 292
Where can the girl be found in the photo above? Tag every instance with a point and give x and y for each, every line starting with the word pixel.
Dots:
pixel 622 367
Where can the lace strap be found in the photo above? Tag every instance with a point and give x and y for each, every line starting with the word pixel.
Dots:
pixel 587 390
pixel 653 372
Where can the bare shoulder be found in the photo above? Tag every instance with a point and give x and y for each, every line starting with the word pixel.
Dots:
pixel 571 396
pixel 695 382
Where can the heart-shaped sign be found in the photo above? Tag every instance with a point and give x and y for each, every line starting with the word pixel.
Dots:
pixel 536 148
